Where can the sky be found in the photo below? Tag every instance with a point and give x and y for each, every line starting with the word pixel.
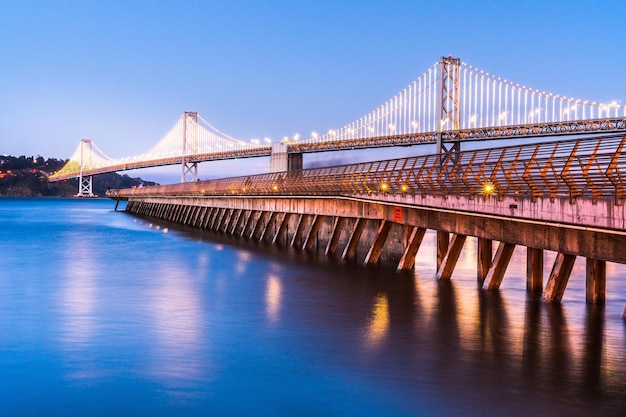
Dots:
pixel 122 72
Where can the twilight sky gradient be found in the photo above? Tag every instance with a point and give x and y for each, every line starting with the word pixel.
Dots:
pixel 122 72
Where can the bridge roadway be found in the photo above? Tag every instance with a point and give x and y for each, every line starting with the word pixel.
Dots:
pixel 564 197
pixel 576 127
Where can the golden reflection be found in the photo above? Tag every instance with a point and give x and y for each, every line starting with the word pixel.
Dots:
pixel 379 322
pixel 273 291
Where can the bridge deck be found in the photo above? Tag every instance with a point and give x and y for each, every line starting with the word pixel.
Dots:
pixel 577 127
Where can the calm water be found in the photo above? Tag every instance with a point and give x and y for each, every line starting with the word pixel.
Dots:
pixel 105 314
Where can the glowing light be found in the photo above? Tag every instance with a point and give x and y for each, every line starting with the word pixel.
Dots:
pixel 275 187
pixel 384 186
pixel 488 188
pixel 404 188
pixel 379 321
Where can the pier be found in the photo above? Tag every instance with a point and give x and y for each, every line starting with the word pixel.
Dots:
pixel 566 197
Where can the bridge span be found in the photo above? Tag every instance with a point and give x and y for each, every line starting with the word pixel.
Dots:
pixel 566 197
pixel 451 103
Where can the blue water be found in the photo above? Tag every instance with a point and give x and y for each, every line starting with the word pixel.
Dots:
pixel 103 314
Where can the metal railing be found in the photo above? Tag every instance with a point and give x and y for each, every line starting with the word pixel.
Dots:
pixel 579 168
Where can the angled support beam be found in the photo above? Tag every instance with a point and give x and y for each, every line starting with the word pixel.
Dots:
pixel 485 254
pixel 443 241
pixel 596 281
pixel 234 221
pixel 268 226
pixel 207 218
pixel 498 267
pixel 561 270
pixel 259 224
pixel 452 256
pixel 226 221
pixel 215 218
pixel 239 223
pixel 379 241
pixel 414 242
pixel 196 216
pixel 248 223
pixel 282 228
pixel 336 233
pixel 350 250
pixel 534 270
pixel 296 242
pixel 187 217
pixel 200 217
pixel 218 224
pixel 312 235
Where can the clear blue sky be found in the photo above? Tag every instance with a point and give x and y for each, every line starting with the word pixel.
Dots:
pixel 122 72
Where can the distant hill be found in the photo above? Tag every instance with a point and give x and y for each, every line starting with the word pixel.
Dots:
pixel 28 177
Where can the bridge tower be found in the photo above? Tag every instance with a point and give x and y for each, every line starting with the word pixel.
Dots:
pixel 450 103
pixel 190 147
pixel 85 183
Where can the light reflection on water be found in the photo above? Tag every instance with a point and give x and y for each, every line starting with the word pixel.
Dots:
pixel 116 317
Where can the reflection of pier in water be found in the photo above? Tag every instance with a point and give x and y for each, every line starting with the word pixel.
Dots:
pixel 429 334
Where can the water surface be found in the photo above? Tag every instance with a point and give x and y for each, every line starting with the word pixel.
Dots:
pixel 102 313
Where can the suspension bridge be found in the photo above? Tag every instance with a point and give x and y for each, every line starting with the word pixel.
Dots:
pixel 450 103
pixel 565 196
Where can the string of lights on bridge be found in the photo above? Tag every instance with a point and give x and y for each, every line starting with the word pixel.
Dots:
pixel 482 100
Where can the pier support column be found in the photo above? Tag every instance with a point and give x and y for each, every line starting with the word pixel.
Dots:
pixel 379 241
pixel 452 256
pixel 534 270
pixel 559 276
pixel 312 235
pixel 235 222
pixel 500 263
pixel 596 281
pixel 485 254
pixel 350 250
pixel 268 227
pixel 256 230
pixel 250 221
pixel 297 237
pixel 443 240
pixel 336 233
pixel 408 257
pixel 282 228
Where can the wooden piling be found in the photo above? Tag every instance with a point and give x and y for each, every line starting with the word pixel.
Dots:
pixel 595 281
pixel 561 270
pixel 498 267
pixel 451 257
